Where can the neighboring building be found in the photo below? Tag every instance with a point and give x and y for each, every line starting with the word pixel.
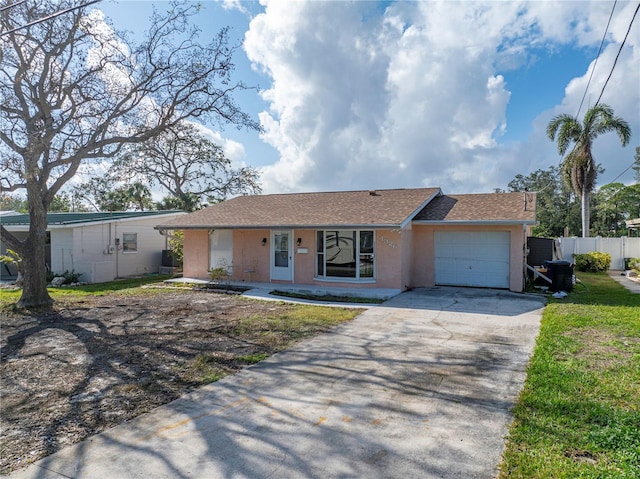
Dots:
pixel 397 239
pixel 101 246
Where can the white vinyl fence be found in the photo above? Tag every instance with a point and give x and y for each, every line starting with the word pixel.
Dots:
pixel 618 248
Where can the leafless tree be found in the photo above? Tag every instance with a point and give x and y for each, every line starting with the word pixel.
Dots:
pixel 187 165
pixel 73 90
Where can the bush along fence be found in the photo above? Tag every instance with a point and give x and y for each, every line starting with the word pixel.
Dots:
pixel 594 262
pixel 620 249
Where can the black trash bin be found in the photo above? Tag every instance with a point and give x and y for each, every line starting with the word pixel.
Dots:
pixel 561 275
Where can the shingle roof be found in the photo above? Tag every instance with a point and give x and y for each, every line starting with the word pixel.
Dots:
pixel 82 217
pixel 498 207
pixel 345 208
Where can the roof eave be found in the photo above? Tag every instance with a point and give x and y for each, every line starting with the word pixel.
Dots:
pixel 17 227
pixel 276 227
pixel 474 222
pixel 74 224
pixel 78 223
pixel 634 223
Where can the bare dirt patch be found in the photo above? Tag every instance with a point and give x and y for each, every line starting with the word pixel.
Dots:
pixel 98 362
pixel 603 350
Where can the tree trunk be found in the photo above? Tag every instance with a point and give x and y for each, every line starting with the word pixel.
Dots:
pixel 585 213
pixel 34 289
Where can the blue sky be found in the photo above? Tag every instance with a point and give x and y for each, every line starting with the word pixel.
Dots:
pixel 360 95
pixel 547 77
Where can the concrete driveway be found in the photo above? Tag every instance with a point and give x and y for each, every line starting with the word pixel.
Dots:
pixel 421 386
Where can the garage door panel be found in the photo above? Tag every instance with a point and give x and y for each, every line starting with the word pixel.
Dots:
pixel 472 258
pixel 492 251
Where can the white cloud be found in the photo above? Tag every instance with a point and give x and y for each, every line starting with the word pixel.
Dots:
pixel 233 5
pixel 232 149
pixel 414 95
pixel 622 93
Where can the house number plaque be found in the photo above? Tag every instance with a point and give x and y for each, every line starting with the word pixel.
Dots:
pixel 388 242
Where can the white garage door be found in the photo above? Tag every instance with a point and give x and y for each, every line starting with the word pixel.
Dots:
pixel 472 258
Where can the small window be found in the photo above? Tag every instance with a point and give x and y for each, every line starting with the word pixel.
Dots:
pixel 129 242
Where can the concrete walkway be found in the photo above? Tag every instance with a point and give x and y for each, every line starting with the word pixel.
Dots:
pixel 263 290
pixel 624 280
pixel 421 386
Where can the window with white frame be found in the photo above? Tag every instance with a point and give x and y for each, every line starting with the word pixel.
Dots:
pixel 345 254
pixel 129 242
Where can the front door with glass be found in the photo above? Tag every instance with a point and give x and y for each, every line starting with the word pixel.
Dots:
pixel 281 256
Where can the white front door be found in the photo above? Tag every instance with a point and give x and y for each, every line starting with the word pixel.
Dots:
pixel 282 255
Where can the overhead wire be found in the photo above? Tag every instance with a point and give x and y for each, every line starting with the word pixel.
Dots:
pixel 595 63
pixel 618 54
pixel 625 170
pixel 7 7
pixel 611 73
pixel 608 77
pixel 604 36
pixel 48 17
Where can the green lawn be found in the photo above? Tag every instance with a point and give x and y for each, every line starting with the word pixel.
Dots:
pixel 9 296
pixel 579 412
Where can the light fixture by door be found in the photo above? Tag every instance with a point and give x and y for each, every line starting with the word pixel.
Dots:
pixel 264 241
pixel 299 242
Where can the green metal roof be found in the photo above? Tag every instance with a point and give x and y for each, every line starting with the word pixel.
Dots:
pixel 80 218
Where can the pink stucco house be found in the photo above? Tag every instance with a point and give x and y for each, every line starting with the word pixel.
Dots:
pixel 396 238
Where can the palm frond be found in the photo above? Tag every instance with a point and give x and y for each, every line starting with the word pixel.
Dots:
pixel 601 119
pixel 566 128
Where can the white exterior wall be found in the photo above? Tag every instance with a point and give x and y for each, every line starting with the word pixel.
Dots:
pixel 62 255
pixel 86 249
pixel 91 247
pixel 148 257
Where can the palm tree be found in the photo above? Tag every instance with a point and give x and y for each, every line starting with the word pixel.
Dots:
pixel 138 194
pixel 578 169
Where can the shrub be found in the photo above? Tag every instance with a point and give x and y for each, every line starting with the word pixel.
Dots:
pixel 50 275
pixel 175 246
pixel 12 257
pixel 634 264
pixel 594 262
pixel 218 274
pixel 71 276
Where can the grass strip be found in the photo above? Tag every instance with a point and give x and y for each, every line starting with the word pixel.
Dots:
pixel 329 298
pixel 579 412
pixel 8 296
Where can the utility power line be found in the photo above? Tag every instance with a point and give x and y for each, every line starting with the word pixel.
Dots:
pixel 608 77
pixel 625 170
pixel 48 17
pixel 7 7
pixel 604 36
pixel 595 64
pixel 618 54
